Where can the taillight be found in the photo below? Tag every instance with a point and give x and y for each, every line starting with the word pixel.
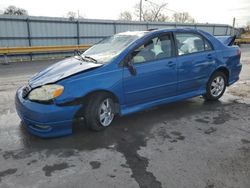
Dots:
pixel 239 52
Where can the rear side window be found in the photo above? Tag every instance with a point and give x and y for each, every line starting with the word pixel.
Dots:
pixel 188 43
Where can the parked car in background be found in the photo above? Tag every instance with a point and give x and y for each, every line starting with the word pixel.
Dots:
pixel 126 73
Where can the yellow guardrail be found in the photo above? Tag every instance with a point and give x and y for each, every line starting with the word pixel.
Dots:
pixel 242 40
pixel 5 51
pixel 37 49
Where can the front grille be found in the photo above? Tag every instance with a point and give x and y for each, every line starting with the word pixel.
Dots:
pixel 26 91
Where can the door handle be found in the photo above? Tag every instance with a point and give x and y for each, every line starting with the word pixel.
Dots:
pixel 209 56
pixel 171 64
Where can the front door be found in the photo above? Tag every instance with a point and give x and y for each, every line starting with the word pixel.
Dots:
pixel 156 71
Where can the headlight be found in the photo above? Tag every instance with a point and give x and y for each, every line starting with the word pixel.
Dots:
pixel 46 92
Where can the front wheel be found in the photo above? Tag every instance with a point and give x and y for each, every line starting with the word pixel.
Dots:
pixel 216 86
pixel 99 112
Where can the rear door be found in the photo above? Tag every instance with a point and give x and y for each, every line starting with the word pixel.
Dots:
pixel 195 61
pixel 156 75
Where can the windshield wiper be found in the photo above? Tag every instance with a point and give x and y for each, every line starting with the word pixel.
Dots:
pixel 79 54
pixel 90 58
pixel 85 58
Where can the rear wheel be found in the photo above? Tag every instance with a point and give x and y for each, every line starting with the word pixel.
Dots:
pixel 100 111
pixel 216 86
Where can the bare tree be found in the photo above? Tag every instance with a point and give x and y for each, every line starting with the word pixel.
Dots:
pixel 13 10
pixel 248 26
pixel 126 15
pixel 152 12
pixel 71 15
pixel 183 17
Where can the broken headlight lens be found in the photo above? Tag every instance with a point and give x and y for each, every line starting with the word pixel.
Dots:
pixel 46 92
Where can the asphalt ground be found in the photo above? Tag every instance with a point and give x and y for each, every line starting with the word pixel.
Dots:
pixel 189 144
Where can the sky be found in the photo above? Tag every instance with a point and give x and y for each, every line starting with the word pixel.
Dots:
pixel 209 11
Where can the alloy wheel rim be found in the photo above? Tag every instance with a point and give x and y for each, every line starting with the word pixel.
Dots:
pixel 217 86
pixel 106 114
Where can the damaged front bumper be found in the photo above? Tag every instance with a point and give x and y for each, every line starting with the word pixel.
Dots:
pixel 45 120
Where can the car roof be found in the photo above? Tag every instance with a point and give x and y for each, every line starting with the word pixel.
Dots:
pixel 174 30
pixel 156 31
pixel 133 33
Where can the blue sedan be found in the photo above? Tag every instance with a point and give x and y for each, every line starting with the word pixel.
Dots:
pixel 127 73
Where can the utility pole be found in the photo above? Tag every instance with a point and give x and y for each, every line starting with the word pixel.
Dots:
pixel 233 25
pixel 140 9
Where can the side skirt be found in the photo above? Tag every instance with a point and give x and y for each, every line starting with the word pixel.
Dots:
pixel 125 110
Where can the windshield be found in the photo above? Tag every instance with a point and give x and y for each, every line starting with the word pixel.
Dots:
pixel 110 47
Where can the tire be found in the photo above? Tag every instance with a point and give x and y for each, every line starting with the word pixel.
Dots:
pixel 95 111
pixel 216 86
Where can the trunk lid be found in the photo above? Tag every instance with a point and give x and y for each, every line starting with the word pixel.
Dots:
pixel 226 40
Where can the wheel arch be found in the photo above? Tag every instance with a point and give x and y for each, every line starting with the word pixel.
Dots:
pixel 224 70
pixel 103 91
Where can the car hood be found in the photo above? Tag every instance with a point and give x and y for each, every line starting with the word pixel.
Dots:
pixel 60 70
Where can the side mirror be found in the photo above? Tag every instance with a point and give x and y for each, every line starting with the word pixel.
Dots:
pixel 131 68
pixel 129 65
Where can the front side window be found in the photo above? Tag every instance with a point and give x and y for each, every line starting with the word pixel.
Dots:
pixel 188 43
pixel 207 45
pixel 154 49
